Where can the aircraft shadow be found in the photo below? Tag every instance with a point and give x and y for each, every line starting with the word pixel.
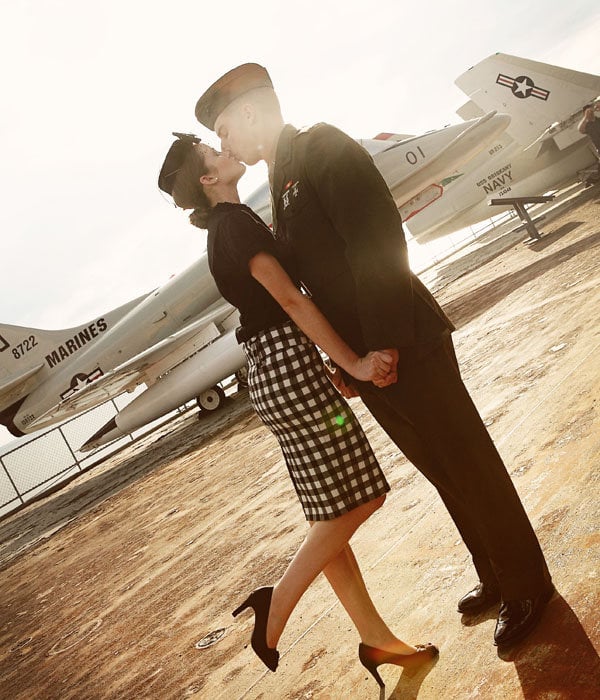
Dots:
pixel 36 521
pixel 469 306
pixel 558 659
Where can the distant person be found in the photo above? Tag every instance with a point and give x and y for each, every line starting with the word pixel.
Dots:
pixel 333 469
pixel 590 124
pixel 334 215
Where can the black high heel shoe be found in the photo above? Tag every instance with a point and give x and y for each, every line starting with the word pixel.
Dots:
pixel 371 658
pixel 260 601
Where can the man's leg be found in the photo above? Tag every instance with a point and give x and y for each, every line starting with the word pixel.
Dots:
pixel 437 425
pixel 415 449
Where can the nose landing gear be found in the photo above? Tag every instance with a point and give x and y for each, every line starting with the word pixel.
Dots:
pixel 211 399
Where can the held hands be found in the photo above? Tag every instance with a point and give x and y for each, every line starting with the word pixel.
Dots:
pixel 377 366
pixel 392 375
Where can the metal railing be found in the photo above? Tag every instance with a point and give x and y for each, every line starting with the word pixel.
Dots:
pixel 43 461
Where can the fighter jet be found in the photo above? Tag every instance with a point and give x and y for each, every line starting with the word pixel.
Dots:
pixel 48 376
pixel 540 150
pixel 179 340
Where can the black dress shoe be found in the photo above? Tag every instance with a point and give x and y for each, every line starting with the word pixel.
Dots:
pixel 479 599
pixel 517 618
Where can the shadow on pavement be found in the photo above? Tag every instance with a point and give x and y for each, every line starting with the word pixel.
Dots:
pixel 410 682
pixel 550 238
pixel 558 659
pixel 468 306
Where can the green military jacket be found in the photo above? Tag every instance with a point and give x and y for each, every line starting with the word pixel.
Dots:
pixel 335 218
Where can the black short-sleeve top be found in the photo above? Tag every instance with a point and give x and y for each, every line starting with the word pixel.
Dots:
pixel 235 235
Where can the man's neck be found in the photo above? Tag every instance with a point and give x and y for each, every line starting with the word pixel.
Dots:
pixel 269 148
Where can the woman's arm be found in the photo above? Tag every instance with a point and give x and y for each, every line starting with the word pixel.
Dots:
pixel 306 315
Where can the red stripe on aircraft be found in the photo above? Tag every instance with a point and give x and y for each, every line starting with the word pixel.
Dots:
pixel 539 92
pixel 505 80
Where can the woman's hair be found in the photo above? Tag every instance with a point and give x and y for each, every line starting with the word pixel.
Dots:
pixel 180 177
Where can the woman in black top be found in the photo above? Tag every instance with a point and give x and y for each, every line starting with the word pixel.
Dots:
pixel 333 469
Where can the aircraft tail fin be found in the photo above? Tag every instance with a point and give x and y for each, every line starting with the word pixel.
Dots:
pixel 544 101
pixel 27 355
pixel 469 111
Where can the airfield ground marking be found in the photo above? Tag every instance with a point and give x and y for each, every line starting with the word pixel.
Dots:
pixel 398 541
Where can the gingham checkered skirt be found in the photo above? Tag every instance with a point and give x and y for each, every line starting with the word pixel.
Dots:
pixel 327 454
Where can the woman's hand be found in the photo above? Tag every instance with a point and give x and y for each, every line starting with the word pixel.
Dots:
pixel 377 366
pixel 348 391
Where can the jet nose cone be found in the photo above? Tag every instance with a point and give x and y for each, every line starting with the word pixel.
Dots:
pixel 502 119
pixel 97 438
pixel 489 126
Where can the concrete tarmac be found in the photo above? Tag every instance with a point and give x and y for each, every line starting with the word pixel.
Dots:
pixel 108 585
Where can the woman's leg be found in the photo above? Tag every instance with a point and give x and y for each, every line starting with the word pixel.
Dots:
pixel 324 541
pixel 326 549
pixel 344 576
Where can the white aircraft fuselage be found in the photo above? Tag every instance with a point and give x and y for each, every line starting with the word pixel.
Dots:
pixel 508 172
pixel 71 359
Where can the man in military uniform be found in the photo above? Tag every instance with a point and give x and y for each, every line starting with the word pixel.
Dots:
pixel 334 215
pixel 590 124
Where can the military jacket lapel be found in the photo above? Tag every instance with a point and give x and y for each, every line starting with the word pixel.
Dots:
pixel 283 156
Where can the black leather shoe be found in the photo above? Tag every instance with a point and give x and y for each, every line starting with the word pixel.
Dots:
pixel 517 618
pixel 479 599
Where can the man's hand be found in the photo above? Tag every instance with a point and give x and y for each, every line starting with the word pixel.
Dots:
pixel 375 365
pixel 392 376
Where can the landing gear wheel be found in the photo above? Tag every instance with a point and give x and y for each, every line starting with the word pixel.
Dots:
pixel 211 399
pixel 242 378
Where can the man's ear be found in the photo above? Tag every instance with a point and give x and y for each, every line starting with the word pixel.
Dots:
pixel 208 179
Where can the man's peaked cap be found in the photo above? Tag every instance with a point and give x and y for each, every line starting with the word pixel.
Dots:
pixel 228 88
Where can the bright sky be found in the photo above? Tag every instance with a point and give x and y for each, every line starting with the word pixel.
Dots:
pixel 92 91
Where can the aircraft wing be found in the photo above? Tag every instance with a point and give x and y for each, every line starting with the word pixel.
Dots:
pixel 17 387
pixel 148 365
pixel 461 149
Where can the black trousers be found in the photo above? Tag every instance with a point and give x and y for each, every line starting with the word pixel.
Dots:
pixel 429 414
